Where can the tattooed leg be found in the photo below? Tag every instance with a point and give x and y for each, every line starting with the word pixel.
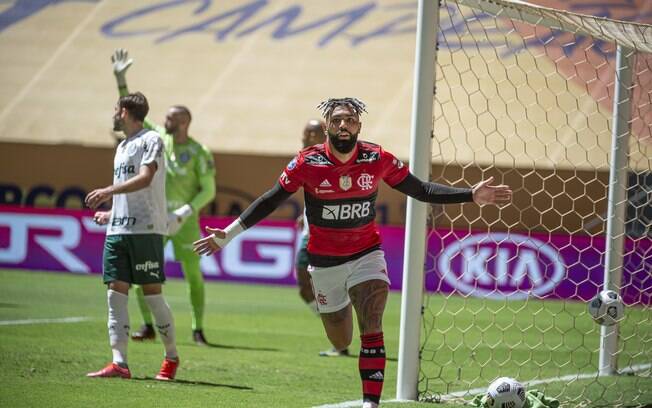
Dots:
pixel 369 300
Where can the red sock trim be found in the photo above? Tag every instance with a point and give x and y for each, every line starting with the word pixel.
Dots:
pixel 372 340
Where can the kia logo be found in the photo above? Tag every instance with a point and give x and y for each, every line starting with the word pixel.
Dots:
pixel 500 265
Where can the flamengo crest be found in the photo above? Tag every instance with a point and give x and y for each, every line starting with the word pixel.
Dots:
pixel 346 182
pixel 366 181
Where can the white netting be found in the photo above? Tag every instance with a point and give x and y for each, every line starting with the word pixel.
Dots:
pixel 507 288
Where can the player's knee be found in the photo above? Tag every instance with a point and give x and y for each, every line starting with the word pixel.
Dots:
pixel 119 286
pixel 152 289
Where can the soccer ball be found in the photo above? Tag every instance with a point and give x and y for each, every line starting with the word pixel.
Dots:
pixel 505 392
pixel 606 308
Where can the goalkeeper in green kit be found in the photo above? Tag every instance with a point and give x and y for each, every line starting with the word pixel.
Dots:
pixel 189 186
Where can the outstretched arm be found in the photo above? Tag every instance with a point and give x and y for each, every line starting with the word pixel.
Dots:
pixel 121 62
pixel 481 193
pixel 433 192
pixel 259 209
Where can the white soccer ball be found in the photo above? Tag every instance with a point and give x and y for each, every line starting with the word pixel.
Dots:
pixel 606 308
pixel 506 392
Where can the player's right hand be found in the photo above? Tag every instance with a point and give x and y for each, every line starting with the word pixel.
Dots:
pixel 102 217
pixel 121 62
pixel 210 244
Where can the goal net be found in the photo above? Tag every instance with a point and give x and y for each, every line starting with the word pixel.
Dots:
pixel 526 94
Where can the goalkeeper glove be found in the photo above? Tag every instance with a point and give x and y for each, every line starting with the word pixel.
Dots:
pixel 177 217
pixel 121 62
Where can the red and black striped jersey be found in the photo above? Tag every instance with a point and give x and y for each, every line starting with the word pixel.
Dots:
pixel 340 198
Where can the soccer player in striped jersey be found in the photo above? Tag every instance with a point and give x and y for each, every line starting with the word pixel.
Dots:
pixel 340 182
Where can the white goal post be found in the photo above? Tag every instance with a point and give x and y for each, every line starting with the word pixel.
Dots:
pixel 629 38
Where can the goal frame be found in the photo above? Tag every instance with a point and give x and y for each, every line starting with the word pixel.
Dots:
pixel 424 90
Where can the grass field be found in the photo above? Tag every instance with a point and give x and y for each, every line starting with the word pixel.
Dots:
pixel 264 353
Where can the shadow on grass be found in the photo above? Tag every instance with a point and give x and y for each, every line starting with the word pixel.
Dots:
pixel 356 356
pixel 10 305
pixel 227 347
pixel 190 382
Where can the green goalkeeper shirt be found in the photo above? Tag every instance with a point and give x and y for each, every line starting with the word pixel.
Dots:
pixel 190 172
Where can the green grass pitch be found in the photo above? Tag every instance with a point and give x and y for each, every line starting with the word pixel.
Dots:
pixel 264 355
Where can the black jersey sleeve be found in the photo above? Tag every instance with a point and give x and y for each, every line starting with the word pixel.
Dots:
pixel 433 192
pixel 264 205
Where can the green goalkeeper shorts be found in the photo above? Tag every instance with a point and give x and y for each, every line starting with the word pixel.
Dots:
pixel 136 258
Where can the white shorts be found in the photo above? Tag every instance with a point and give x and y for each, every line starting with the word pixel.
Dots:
pixel 331 285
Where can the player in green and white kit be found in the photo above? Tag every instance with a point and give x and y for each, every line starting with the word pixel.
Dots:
pixel 190 185
pixel 137 223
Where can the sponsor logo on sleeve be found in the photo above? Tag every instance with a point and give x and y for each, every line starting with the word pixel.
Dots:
pixel 292 164
pixel 317 160
pixel 284 178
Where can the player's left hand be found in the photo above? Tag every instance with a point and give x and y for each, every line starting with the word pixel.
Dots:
pixel 121 62
pixel 96 197
pixel 484 193
pixel 210 244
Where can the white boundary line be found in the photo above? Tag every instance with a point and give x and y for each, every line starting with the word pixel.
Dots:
pixel 349 404
pixel 44 321
pixel 474 391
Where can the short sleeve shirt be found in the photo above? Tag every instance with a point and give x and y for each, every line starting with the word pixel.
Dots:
pixel 143 211
pixel 340 198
